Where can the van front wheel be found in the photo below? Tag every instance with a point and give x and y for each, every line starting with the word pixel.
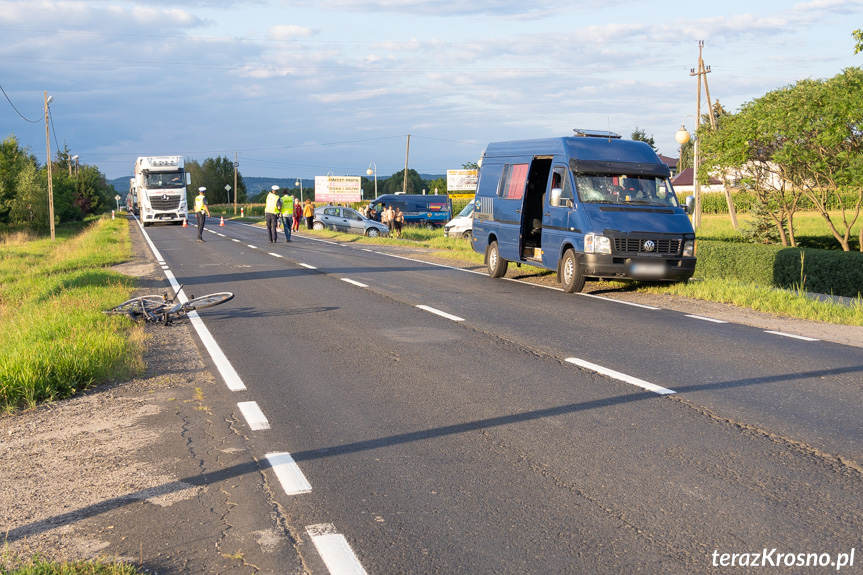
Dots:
pixel 570 275
pixel 496 264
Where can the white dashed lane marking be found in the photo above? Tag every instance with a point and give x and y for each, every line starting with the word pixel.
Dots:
pixel 803 337
pixel 335 550
pixel 440 313
pixel 288 472
pixel 621 376
pixel 254 416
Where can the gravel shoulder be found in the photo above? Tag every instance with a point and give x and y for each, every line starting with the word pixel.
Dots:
pixel 149 470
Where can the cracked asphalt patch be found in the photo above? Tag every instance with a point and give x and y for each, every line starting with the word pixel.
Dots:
pixel 152 471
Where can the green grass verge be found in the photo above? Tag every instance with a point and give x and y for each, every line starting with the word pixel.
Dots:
pixel 39 566
pixel 56 339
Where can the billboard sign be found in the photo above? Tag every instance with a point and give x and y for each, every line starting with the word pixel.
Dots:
pixel 461 181
pixel 336 189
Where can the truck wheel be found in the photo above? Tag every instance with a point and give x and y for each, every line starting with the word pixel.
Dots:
pixel 496 264
pixel 570 274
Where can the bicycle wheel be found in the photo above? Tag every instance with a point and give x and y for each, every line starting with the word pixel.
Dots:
pixel 136 306
pixel 208 300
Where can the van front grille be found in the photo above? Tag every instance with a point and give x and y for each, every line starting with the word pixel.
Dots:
pixel 637 245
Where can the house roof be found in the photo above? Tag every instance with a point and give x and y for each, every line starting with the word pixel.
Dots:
pixel 684 178
pixel 668 161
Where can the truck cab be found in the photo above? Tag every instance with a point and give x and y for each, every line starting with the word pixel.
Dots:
pixel 590 206
pixel 160 188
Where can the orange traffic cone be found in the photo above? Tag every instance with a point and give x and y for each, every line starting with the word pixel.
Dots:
pixel 222 223
pixel 185 223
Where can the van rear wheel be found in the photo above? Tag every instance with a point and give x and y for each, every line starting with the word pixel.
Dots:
pixel 496 264
pixel 570 276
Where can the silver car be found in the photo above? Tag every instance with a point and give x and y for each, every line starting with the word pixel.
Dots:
pixel 347 220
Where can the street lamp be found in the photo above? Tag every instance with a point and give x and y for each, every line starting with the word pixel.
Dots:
pixel 48 100
pixel 369 173
pixel 75 157
pixel 682 136
pixel 299 182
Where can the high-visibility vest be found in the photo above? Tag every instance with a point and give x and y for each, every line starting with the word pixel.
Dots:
pixel 288 205
pixel 200 202
pixel 272 203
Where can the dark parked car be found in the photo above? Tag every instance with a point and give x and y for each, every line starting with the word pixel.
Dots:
pixel 347 220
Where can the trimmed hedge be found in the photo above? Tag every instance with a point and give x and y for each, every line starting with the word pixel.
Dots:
pixel 824 271
pixel 715 203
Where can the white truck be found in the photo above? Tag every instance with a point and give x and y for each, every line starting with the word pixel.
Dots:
pixel 132 198
pixel 160 186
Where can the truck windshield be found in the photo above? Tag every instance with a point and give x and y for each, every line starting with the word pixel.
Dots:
pixel 164 180
pixel 621 189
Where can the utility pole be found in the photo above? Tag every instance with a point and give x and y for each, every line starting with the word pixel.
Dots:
pixel 407 151
pixel 702 76
pixel 236 165
pixel 50 178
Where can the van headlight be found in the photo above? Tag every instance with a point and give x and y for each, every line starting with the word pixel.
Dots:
pixel 689 248
pixel 594 244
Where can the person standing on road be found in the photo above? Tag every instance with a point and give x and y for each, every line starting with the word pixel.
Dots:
pixel 287 214
pixel 398 221
pixel 298 215
pixel 271 212
pixel 201 211
pixel 309 214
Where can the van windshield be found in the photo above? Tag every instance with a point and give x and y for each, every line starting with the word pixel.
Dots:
pixel 467 211
pixel 622 189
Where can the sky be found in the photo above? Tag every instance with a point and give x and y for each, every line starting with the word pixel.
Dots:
pixel 304 88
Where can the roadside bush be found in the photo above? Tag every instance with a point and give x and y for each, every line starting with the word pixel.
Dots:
pixel 820 271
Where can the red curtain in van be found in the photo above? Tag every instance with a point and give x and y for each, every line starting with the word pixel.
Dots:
pixel 516 181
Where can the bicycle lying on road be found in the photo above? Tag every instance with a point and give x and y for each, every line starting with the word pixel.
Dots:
pixel 160 309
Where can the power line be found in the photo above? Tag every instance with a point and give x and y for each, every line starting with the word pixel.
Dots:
pixel 16 109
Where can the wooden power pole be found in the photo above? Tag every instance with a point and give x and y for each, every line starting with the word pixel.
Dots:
pixel 702 76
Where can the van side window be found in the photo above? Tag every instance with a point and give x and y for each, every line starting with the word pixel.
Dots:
pixel 560 180
pixel 513 181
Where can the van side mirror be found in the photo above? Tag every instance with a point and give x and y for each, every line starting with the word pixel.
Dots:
pixel 690 205
pixel 188 179
pixel 555 197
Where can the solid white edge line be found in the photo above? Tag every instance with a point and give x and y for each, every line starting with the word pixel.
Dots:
pixel 621 376
pixel 335 550
pixel 288 472
pixel 803 337
pixel 711 319
pixel 353 282
pixel 254 416
pixel 226 370
pixel 619 301
pixel 440 313
pixel 308 266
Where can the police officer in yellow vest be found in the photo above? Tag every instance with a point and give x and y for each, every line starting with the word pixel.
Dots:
pixel 201 211
pixel 287 214
pixel 272 211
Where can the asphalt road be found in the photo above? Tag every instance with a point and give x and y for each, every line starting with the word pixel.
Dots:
pixel 483 432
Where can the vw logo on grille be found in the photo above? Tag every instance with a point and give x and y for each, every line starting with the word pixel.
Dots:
pixel 649 245
pixel 164 197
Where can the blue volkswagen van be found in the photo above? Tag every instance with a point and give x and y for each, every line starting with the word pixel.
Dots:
pixel 591 206
pixel 432 211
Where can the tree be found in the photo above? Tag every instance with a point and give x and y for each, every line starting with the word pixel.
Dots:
pixel 470 166
pixel 393 184
pixel 801 139
pixel 13 160
pixel 858 37
pixel 640 135
pixel 214 174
